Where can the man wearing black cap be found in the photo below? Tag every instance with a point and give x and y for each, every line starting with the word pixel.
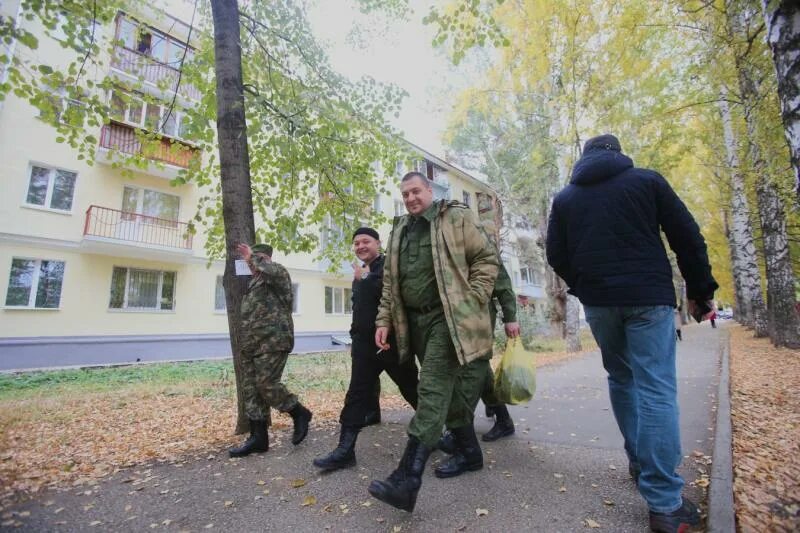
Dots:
pixel 604 240
pixel 266 338
pixel 366 364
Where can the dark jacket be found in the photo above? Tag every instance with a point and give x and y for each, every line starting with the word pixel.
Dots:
pixel 366 297
pixel 604 236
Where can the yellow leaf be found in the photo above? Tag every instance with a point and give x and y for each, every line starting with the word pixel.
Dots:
pixel 397 529
pixel 228 503
pixel 309 500
pixel 95 523
pixel 482 512
pixel 592 524
pixel 261 482
pixel 297 483
pixel 608 502
pixel 562 489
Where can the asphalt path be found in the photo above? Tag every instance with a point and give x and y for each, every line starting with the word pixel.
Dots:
pixel 563 470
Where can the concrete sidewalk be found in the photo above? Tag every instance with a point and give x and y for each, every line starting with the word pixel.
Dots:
pixel 564 470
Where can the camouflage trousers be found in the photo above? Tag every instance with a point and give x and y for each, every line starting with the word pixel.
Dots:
pixel 488 396
pixel 261 384
pixel 448 392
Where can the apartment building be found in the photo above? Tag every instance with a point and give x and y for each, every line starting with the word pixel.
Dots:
pixel 97 267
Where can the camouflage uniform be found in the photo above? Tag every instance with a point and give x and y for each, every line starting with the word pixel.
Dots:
pixel 438 280
pixel 267 337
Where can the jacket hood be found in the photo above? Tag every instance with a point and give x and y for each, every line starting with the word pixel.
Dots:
pixel 599 165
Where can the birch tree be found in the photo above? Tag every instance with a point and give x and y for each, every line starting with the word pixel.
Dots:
pixel 782 18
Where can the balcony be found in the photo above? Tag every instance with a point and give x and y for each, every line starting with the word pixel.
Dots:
pixel 118 232
pixel 125 138
pixel 142 67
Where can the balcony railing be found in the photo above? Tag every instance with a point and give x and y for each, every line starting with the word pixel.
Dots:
pixel 152 71
pixel 122 137
pixel 136 228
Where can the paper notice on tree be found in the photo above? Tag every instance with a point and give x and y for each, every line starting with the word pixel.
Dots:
pixel 241 268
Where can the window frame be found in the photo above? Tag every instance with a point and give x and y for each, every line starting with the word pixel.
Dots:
pixel 177 114
pixel 48 200
pixel 160 294
pixel 140 205
pixel 224 308
pixel 466 198
pixel 346 295
pixel 34 288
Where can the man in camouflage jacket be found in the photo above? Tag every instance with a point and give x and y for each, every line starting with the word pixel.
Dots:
pixel 439 276
pixel 266 338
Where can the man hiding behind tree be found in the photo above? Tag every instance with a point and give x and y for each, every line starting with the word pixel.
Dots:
pixel 267 337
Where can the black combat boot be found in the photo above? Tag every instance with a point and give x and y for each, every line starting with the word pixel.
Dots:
pixel 447 442
pixel 301 417
pixel 373 418
pixel 257 442
pixel 503 425
pixel 468 456
pixel 344 454
pixel 402 486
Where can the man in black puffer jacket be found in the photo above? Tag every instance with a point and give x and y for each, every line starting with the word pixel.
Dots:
pixel 604 240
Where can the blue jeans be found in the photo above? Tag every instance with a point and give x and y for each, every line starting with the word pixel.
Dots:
pixel 638 348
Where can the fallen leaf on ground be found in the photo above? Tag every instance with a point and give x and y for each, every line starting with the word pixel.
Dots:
pixel 482 512
pixel 297 483
pixel 592 524
pixel 309 500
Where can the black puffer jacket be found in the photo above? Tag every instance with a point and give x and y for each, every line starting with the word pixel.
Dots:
pixel 604 237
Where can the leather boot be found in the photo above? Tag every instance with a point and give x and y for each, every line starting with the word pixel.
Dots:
pixel 447 442
pixel 301 417
pixel 257 442
pixel 344 454
pixel 400 489
pixel 372 418
pixel 468 456
pixel 503 426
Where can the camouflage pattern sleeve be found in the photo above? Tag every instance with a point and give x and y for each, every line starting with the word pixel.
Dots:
pixel 384 316
pixel 481 257
pixel 504 293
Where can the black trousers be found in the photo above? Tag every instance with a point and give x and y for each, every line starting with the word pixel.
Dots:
pixel 364 371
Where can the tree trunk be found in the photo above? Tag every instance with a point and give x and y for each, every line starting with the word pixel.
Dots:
pixel 783 322
pixel 573 324
pixel 782 317
pixel 237 202
pixel 747 277
pixel 783 36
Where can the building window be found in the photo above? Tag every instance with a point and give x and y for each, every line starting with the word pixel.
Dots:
pixel 160 118
pixel 35 283
pixel 332 234
pixel 132 288
pixel 219 296
pixel 151 43
pixel 338 301
pixel 467 198
pixel 49 187
pixel 376 203
pixel 165 207
pixel 295 298
pixel 529 276
pixel 399 208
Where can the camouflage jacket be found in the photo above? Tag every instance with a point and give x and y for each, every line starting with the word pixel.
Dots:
pixel 267 310
pixel 466 266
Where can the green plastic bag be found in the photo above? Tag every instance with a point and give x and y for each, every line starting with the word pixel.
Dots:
pixel 515 379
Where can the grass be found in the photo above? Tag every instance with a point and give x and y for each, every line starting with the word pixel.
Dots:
pixel 321 372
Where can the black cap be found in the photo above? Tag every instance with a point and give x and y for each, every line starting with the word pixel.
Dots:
pixel 367 231
pixel 602 142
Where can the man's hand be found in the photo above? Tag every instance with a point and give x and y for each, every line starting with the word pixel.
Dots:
pixel 512 329
pixel 359 270
pixel 694 308
pixel 381 336
pixel 244 251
